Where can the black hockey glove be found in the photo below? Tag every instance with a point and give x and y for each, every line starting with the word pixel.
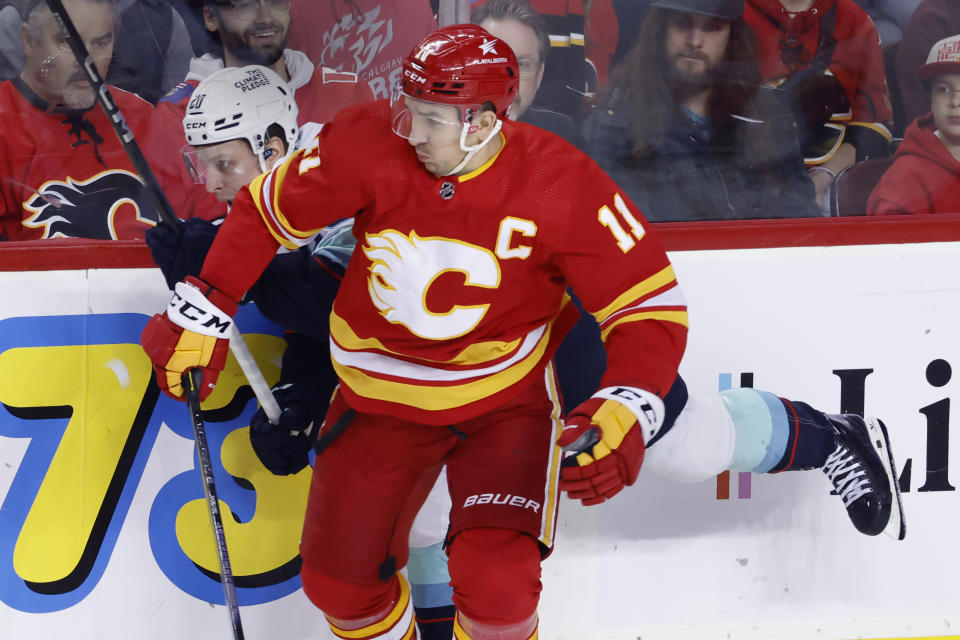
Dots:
pixel 180 252
pixel 284 448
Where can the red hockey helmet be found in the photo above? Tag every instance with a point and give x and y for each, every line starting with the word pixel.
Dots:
pixel 464 66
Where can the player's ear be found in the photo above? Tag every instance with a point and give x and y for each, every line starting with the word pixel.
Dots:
pixel 210 20
pixel 273 150
pixel 27 38
pixel 488 119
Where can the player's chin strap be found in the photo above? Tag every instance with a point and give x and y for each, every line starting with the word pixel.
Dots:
pixel 472 151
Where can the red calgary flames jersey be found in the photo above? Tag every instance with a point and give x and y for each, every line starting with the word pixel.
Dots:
pixel 65 174
pixel 455 297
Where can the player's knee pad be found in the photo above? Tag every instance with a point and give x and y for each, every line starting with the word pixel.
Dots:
pixel 495 575
pixel 348 600
pixel 698 446
pixel 761 426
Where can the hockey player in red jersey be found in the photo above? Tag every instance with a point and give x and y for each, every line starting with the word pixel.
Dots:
pixel 65 173
pixel 442 336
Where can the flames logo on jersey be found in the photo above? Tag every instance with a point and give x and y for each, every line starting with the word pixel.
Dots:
pixel 402 270
pixel 86 209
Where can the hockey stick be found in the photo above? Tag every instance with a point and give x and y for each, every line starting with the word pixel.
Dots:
pixel 191 382
pixel 167 216
pixel 257 382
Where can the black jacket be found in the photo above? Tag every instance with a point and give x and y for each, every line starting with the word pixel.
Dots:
pixel 726 177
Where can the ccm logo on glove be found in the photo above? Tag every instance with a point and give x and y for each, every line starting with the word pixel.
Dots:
pixel 191 310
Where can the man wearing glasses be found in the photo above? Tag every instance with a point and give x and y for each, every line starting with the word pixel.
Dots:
pixel 249 32
pixel 518 24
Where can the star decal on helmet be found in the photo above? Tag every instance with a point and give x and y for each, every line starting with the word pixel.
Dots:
pixel 487 46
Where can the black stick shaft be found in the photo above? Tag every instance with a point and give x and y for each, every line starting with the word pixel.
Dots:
pixel 191 384
pixel 139 161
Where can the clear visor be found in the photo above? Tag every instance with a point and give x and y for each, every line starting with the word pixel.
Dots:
pixel 220 162
pixel 192 163
pixel 422 121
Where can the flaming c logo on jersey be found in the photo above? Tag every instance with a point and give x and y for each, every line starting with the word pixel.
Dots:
pixel 404 267
pixel 86 209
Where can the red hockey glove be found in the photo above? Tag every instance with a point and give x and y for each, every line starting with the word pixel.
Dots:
pixel 192 332
pixel 605 438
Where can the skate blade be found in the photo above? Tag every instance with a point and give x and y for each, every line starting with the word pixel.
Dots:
pixel 896 527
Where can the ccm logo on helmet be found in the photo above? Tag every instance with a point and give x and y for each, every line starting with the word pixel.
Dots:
pixel 413 75
pixel 500 498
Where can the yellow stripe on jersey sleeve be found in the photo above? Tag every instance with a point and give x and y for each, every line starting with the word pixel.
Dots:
pixel 266 189
pixel 660 279
pixel 440 398
pixel 475 354
pixel 680 317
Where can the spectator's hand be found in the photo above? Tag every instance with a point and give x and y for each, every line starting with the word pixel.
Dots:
pixel 605 438
pixel 192 333
pixel 180 251
pixel 284 448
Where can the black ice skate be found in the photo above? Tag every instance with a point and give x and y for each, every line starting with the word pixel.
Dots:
pixel 863 472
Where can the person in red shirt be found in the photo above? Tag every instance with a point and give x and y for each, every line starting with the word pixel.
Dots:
pixel 469 232
pixel 925 174
pixel 469 229
pixel 826 56
pixel 255 32
pixel 65 173
pixel 367 37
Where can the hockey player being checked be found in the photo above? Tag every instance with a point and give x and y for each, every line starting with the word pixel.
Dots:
pixel 470 228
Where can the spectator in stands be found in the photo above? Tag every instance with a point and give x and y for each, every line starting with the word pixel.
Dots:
pixel 11 51
pixel 933 21
pixel 889 17
pixel 518 24
pixel 255 32
pixel 578 64
pixel 366 37
pixel 688 130
pixel 64 171
pixel 151 53
pixel 825 55
pixel 925 174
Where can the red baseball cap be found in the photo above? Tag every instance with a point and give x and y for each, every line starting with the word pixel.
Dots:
pixel 944 57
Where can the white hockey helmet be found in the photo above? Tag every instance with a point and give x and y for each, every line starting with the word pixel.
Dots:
pixel 240 102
